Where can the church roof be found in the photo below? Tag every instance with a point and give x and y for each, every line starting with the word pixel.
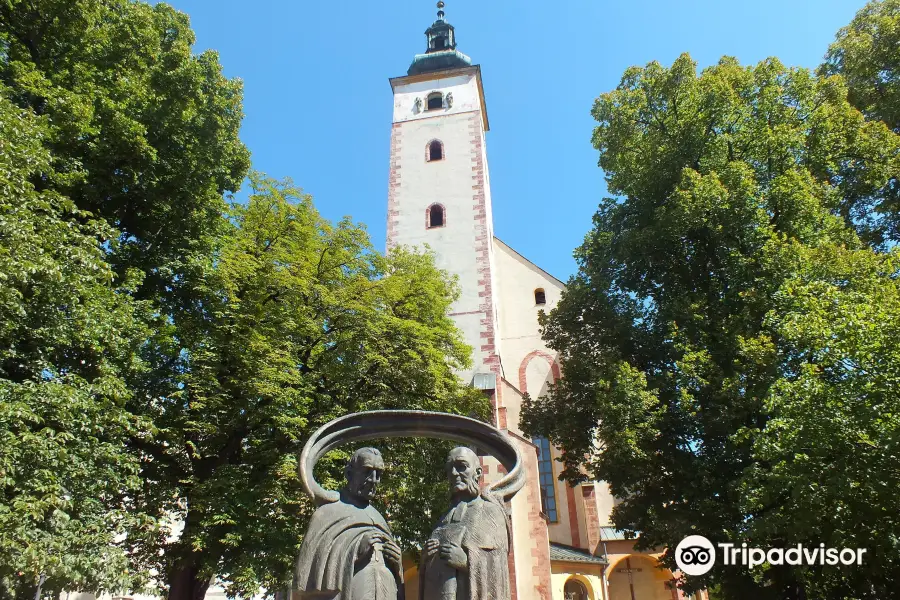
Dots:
pixel 610 534
pixel 571 554
pixel 438 61
pixel 496 239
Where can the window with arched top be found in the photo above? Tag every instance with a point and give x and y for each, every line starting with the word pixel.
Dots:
pixel 436 216
pixel 575 590
pixel 539 296
pixel 435 150
pixel 435 101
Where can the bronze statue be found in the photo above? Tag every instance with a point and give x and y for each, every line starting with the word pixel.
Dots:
pixel 348 552
pixel 466 556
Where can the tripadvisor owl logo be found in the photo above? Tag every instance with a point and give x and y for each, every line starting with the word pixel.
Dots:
pixel 695 555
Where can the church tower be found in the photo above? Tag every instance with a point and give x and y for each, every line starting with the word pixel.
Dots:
pixel 439 196
pixel 439 192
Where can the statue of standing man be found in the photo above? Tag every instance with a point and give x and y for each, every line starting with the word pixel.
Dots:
pixel 348 552
pixel 466 556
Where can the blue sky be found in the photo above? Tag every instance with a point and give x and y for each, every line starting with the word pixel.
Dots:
pixel 318 103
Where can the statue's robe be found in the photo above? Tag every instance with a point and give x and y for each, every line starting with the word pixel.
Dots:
pixel 329 552
pixel 481 527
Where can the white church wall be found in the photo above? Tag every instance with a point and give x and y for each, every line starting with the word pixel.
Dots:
pixel 458 183
pixel 517 278
pixel 464 87
pixel 605 503
pixel 531 366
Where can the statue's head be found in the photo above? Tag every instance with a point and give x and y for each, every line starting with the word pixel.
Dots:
pixel 464 473
pixel 363 472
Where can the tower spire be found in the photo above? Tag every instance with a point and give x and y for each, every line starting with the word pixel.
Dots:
pixel 441 52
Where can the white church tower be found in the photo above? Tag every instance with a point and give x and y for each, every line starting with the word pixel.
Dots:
pixel 439 193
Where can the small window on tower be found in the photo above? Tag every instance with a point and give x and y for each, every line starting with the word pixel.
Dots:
pixel 436 216
pixel 435 150
pixel 435 101
pixel 440 43
pixel 539 296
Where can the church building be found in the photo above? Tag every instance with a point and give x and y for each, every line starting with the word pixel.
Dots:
pixel 439 194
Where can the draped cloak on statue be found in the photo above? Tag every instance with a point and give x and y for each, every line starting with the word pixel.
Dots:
pixel 481 527
pixel 328 554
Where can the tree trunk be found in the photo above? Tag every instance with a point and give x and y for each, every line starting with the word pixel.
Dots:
pixel 186 582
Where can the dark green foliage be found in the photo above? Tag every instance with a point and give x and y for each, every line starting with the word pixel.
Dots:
pixel 707 337
pixel 67 334
pixel 163 356
pixel 866 54
pixel 299 322
pixel 142 133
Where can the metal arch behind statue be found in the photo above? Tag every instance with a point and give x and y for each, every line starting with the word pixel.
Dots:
pixel 377 424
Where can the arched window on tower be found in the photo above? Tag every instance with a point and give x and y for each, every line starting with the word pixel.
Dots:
pixel 435 150
pixel 435 101
pixel 436 216
pixel 539 296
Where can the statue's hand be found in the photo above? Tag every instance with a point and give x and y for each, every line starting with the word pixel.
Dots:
pixel 455 556
pixel 367 543
pixel 431 547
pixel 392 554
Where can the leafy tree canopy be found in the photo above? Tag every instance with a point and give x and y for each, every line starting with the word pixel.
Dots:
pixel 67 334
pixel 715 291
pixel 163 355
pixel 118 145
pixel 867 55
pixel 141 132
pixel 300 321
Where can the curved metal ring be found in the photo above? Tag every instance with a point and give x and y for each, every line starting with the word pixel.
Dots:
pixel 410 423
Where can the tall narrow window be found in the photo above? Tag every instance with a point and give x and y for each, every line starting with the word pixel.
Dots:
pixel 545 471
pixel 435 150
pixel 435 216
pixel 539 296
pixel 435 101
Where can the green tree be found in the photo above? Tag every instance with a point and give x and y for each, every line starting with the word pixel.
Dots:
pixel 133 141
pixel 239 330
pixel 826 462
pixel 866 55
pixel 142 133
pixel 300 322
pixel 741 191
pixel 67 334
